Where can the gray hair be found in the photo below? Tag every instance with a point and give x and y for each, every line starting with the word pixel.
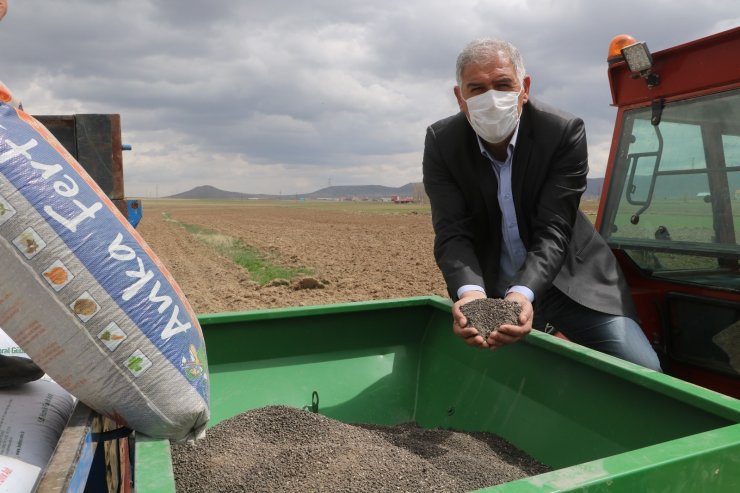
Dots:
pixel 483 50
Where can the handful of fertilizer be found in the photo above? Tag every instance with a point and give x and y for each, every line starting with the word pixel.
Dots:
pixel 488 314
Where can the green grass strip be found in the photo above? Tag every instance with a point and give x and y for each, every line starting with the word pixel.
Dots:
pixel 262 266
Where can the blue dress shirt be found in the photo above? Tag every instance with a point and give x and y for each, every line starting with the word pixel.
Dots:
pixel 513 252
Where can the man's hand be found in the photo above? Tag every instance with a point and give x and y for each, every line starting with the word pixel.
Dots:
pixel 509 334
pixel 459 322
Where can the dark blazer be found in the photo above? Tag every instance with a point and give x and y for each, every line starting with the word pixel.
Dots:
pixel 549 171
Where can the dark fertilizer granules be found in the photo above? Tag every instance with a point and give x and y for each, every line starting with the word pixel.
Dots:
pixel 488 314
pixel 284 449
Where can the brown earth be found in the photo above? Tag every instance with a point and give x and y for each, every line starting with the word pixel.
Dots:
pixel 356 252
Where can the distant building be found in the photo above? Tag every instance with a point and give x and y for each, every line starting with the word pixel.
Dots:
pixel 401 200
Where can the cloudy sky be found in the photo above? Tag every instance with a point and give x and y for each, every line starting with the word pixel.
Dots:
pixel 287 97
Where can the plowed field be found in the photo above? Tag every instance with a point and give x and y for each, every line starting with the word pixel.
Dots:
pixel 355 251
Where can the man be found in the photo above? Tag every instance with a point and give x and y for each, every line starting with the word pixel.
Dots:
pixel 505 177
pixel 14 370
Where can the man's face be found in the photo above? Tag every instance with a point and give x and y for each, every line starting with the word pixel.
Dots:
pixel 3 8
pixel 497 73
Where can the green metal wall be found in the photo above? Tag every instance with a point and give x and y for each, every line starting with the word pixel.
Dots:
pixel 603 424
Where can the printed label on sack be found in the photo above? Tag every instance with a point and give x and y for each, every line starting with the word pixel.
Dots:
pixel 17 476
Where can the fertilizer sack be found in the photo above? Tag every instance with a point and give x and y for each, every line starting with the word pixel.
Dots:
pixel 17 476
pixel 32 420
pixel 86 298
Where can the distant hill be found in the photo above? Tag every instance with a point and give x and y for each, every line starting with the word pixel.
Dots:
pixel 333 192
pixel 364 191
pixel 338 192
pixel 209 192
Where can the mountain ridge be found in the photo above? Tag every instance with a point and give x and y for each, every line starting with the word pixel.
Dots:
pixel 336 192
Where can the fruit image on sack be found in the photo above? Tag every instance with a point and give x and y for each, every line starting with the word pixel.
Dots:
pixel 86 298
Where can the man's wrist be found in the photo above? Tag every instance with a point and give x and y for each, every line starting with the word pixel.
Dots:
pixel 468 288
pixel 523 290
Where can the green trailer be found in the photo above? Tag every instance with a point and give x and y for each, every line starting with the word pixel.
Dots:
pixel 602 424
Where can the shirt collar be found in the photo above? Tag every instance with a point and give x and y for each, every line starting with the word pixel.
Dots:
pixel 509 148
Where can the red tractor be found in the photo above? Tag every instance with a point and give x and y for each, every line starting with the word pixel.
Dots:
pixel 670 206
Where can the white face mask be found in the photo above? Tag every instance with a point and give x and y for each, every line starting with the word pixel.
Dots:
pixel 494 114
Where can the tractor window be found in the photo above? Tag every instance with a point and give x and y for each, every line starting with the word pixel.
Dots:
pixel 674 200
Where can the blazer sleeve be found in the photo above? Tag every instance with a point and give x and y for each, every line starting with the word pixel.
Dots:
pixel 563 178
pixel 454 243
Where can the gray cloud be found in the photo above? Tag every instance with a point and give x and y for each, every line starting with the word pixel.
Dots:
pixel 286 96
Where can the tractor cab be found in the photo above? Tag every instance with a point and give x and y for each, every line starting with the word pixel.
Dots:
pixel 670 207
